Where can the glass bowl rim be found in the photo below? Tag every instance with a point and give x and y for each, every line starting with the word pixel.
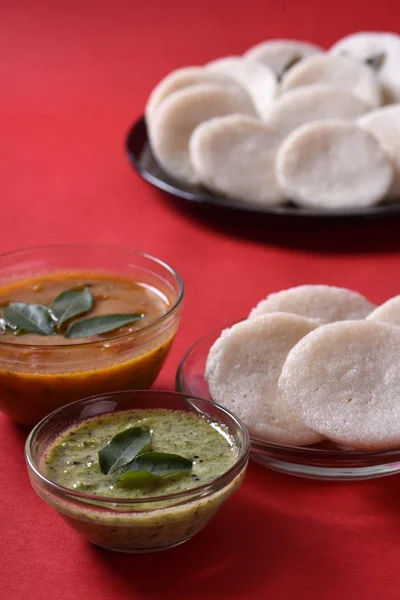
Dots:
pixel 259 445
pixel 151 257
pixel 191 494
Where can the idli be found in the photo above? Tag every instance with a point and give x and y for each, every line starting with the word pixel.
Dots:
pixel 177 117
pixel 184 78
pixel 343 380
pixel 381 51
pixel 384 124
pixel 243 369
pixel 389 312
pixel 235 156
pixel 343 72
pixel 312 103
pixel 332 165
pixel 258 79
pixel 322 302
pixel 281 55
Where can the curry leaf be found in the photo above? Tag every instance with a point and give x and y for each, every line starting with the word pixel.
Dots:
pixel 124 447
pixel 29 317
pixel 98 325
pixel 155 464
pixel 71 303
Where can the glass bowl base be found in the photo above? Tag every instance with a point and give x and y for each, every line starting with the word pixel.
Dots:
pixel 141 550
pixel 325 473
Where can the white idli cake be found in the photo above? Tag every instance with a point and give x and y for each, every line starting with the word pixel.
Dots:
pixel 235 156
pixel 332 165
pixel 322 302
pixel 389 312
pixel 258 79
pixel 182 79
pixel 343 380
pixel 384 124
pixel 380 50
pixel 281 55
pixel 243 369
pixel 180 113
pixel 312 103
pixel 342 72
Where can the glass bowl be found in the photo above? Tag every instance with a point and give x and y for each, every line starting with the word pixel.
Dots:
pixel 135 525
pixel 325 460
pixel 37 379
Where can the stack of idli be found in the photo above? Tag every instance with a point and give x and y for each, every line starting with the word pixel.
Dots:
pixel 286 122
pixel 310 363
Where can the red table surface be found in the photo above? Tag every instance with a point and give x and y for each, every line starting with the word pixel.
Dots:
pixel 74 75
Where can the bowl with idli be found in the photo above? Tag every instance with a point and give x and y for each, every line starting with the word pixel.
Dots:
pixel 286 129
pixel 313 374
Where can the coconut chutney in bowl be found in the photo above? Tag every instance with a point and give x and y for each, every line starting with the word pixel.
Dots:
pixel 138 471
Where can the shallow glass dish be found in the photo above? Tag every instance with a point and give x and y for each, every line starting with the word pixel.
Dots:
pixel 140 524
pixel 325 460
pixel 140 156
pixel 35 379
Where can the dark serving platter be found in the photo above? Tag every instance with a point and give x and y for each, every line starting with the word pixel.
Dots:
pixel 143 161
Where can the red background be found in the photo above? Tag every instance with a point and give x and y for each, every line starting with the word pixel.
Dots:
pixel 74 75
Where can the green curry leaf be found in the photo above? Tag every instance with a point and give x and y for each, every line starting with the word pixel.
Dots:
pixel 156 465
pixel 102 324
pixel 123 448
pixel 29 317
pixel 71 303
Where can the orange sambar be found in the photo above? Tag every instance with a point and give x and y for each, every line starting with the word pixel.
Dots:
pixel 41 373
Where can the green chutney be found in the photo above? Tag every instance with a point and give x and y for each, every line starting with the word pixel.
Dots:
pixel 73 462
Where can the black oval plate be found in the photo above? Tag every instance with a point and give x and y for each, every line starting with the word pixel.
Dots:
pixel 143 161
